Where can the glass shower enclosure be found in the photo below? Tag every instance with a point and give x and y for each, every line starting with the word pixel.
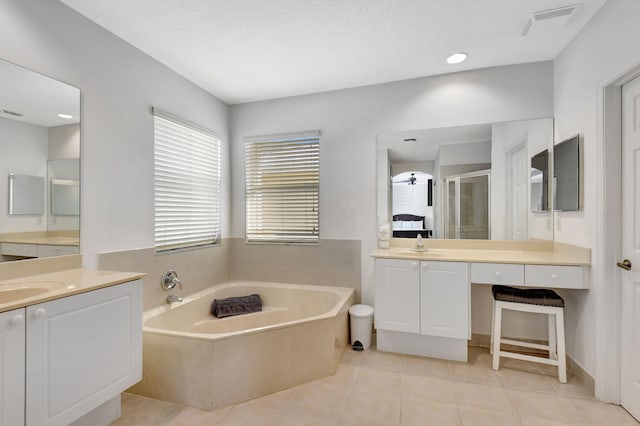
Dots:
pixel 468 206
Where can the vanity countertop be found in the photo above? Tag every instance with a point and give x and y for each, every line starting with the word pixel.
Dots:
pixel 525 252
pixel 30 290
pixel 54 238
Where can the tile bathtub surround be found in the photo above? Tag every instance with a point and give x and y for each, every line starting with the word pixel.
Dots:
pixel 379 388
pixel 198 269
pixel 329 263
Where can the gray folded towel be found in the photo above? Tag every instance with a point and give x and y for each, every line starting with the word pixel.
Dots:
pixel 221 308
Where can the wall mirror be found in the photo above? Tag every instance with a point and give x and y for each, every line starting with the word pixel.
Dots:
pixel 40 148
pixel 477 176
pixel 540 182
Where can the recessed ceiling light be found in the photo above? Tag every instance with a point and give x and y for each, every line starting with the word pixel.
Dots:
pixel 456 58
pixel 65 116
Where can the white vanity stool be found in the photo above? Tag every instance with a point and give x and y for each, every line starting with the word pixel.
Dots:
pixel 539 301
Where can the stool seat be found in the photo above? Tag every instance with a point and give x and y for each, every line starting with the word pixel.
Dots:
pixel 535 296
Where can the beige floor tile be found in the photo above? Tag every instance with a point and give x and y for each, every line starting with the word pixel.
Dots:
pixel 573 387
pixel 325 399
pixel 352 357
pixel 473 374
pixel 345 375
pixel 372 408
pixel 376 380
pixel 482 397
pixel 189 416
pixel 383 361
pixel 418 412
pixel 534 421
pixel 146 411
pixel 243 415
pixel 421 366
pixel 539 406
pixel 599 413
pixel 429 388
pixel 472 417
pixel 299 416
pixel 525 380
pixel 274 401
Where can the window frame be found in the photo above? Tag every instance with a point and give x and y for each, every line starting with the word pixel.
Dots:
pixel 216 223
pixel 274 139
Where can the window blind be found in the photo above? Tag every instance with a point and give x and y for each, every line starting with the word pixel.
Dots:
pixel 282 188
pixel 187 183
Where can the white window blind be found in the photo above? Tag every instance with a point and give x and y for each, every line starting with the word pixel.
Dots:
pixel 187 183
pixel 282 188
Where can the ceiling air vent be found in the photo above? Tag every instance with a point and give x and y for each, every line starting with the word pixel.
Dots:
pixel 16 114
pixel 558 17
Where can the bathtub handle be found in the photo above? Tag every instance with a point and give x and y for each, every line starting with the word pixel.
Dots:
pixel 170 279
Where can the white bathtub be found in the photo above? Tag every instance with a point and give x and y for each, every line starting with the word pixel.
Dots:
pixel 193 358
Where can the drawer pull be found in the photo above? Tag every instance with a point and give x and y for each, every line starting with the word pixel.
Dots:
pixel 554 276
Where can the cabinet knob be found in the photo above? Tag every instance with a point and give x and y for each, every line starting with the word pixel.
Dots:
pixel 39 313
pixel 497 274
pixel 414 265
pixel 17 319
pixel 554 277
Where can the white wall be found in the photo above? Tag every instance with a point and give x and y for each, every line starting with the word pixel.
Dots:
pixel 350 120
pixel 604 48
pixel 64 142
pixel 23 150
pixel 118 84
pixel 464 153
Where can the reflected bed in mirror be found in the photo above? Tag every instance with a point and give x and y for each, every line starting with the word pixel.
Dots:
pixel 39 141
pixel 480 180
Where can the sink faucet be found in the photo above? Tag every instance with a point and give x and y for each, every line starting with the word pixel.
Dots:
pixel 419 243
pixel 173 298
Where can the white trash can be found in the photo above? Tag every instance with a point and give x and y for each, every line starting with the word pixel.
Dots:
pixel 361 319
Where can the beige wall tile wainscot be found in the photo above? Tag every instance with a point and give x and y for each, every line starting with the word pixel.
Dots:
pixel 198 269
pixel 334 263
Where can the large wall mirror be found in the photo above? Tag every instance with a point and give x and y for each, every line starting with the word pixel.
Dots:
pixel 39 165
pixel 464 182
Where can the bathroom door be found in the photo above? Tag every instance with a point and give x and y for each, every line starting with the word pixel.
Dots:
pixel 630 323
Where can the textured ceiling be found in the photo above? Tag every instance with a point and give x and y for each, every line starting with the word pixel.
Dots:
pixel 248 50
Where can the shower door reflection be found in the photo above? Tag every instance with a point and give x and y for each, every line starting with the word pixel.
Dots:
pixel 468 206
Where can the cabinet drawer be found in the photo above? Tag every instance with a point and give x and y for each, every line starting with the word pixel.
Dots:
pixel 554 276
pixel 48 251
pixel 15 249
pixel 497 273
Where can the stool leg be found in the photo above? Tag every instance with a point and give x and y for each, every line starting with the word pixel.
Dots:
pixel 497 330
pixel 562 359
pixel 552 336
pixel 493 314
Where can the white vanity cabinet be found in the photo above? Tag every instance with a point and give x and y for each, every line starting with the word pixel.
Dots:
pixel 444 299
pixel 63 358
pixel 397 295
pixel 82 351
pixel 12 353
pixel 422 307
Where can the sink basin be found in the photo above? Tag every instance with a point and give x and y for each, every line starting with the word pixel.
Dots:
pixel 430 253
pixel 14 294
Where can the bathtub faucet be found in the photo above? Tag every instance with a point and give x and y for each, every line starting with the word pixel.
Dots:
pixel 173 298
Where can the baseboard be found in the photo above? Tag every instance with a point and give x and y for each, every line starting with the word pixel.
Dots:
pixel 484 341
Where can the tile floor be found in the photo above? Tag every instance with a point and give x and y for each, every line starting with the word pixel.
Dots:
pixel 378 388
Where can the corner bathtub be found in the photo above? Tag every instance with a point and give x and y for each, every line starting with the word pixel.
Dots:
pixel 195 359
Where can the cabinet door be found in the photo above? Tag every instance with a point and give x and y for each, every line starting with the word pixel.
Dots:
pixel 82 351
pixel 12 326
pixel 397 295
pixel 444 299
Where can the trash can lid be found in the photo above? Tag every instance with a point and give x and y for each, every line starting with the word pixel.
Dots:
pixel 361 310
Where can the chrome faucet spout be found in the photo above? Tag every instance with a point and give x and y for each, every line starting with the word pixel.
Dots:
pixel 173 298
pixel 419 243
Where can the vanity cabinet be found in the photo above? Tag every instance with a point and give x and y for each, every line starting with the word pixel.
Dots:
pixel 81 351
pixel 36 250
pixel 444 299
pixel 397 295
pixel 12 353
pixel 422 297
